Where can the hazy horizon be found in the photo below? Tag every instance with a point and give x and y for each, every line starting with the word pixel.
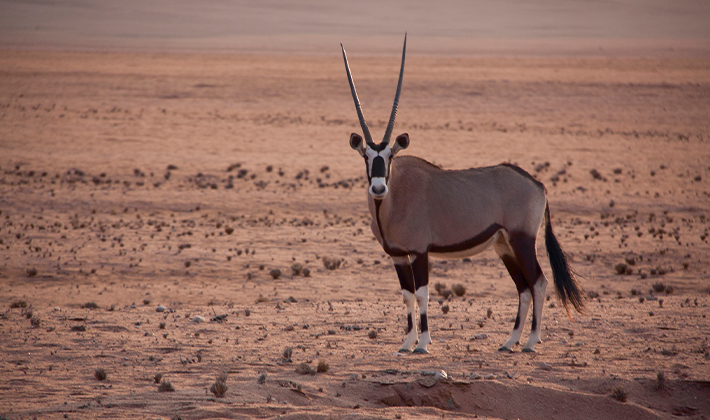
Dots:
pixel 454 27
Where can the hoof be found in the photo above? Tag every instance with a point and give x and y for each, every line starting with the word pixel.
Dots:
pixel 527 350
pixel 404 350
pixel 505 349
pixel 420 351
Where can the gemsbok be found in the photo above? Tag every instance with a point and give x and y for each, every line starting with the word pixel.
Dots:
pixel 420 210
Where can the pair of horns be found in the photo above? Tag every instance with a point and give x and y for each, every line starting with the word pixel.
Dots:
pixel 363 124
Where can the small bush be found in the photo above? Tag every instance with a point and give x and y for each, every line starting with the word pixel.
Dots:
pixel 439 287
pixel 288 352
pixel 90 305
pixel 618 393
pixel 100 374
pixel 459 289
pixel 158 377
pixel 219 387
pixel 659 287
pixel 261 379
pixel 35 321
pixel 332 263
pixel 445 309
pixel 323 367
pixel 660 381
pixel 305 369
pixel 18 304
pixel 275 273
pixel 372 334
pixel 166 386
pixel 296 269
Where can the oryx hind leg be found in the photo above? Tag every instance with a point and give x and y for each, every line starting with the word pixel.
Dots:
pixel 523 247
pixel 524 293
pixel 406 281
pixel 420 268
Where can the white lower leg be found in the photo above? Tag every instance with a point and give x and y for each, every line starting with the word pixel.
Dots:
pixel 538 302
pixel 523 306
pixel 410 301
pixel 422 295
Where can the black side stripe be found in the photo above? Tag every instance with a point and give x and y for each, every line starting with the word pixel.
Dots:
pixel 469 243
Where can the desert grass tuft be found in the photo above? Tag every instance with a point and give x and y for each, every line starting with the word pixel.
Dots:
pixel 100 374
pixel 166 386
pixel 219 387
pixel 90 305
pixel 323 367
pixel 372 334
pixel 158 377
pixel 35 321
pixel 661 382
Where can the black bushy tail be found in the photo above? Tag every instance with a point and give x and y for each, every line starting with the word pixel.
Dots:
pixel 566 284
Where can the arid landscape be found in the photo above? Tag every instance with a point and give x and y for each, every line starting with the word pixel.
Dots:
pixel 171 223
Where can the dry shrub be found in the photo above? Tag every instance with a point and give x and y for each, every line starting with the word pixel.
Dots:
pixel 372 334
pixel 288 352
pixel 323 367
pixel 262 379
pixel 219 387
pixel 166 386
pixel 158 377
pixel 622 268
pixel 275 273
pixel 445 309
pixel 332 263
pixel 18 304
pixel 439 287
pixel 296 269
pixel 659 287
pixel 35 321
pixel 305 369
pixel 262 299
pixel 90 305
pixel 459 289
pixel 100 374
pixel 618 393
pixel 660 381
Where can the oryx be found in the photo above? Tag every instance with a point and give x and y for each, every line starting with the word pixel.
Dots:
pixel 420 210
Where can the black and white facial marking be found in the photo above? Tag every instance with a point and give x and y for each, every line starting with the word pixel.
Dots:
pixel 378 160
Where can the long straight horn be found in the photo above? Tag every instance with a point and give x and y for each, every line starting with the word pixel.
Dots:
pixel 390 125
pixel 363 124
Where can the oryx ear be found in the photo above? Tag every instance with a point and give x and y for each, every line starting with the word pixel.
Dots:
pixel 357 143
pixel 400 143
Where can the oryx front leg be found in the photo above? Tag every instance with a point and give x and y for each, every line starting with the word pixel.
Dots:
pixel 538 298
pixel 420 268
pixel 406 281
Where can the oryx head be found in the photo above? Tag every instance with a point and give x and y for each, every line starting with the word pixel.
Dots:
pixel 377 156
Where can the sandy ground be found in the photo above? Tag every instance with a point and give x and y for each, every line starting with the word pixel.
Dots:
pixel 129 181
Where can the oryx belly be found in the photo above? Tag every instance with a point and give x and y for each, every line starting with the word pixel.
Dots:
pixel 465 249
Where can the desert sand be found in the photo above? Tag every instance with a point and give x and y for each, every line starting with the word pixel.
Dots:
pixel 142 190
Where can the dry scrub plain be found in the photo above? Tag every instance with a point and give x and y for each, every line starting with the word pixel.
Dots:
pixel 143 193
